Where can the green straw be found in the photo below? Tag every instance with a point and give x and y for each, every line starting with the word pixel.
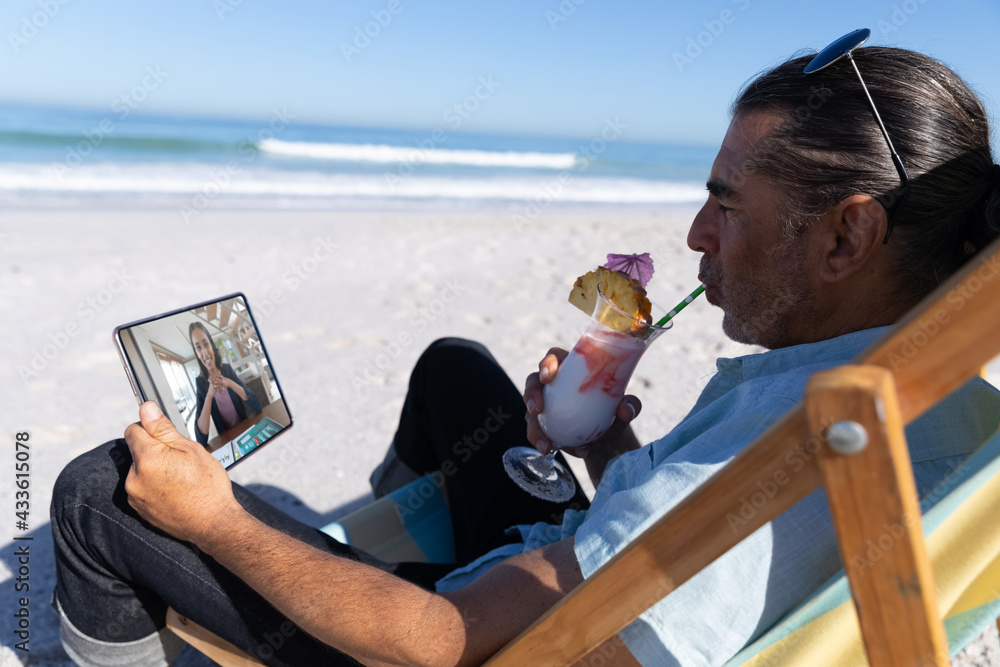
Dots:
pixel 681 306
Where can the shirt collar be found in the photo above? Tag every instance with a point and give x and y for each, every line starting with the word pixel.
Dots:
pixel 842 348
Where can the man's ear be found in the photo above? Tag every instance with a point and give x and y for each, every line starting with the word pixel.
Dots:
pixel 854 231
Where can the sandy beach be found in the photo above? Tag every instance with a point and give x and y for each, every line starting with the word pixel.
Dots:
pixel 345 301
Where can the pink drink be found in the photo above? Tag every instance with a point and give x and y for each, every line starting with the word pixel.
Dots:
pixel 580 404
pixel 581 401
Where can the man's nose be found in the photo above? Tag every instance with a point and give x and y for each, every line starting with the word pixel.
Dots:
pixel 703 235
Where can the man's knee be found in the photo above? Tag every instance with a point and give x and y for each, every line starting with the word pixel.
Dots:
pixel 445 352
pixel 98 472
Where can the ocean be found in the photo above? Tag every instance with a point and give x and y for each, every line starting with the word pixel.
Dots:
pixel 57 156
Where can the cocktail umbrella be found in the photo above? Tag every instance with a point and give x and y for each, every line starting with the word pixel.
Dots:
pixel 639 267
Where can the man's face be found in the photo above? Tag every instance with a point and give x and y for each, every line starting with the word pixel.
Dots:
pixel 751 269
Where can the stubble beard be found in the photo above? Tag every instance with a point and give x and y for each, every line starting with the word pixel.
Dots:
pixel 762 311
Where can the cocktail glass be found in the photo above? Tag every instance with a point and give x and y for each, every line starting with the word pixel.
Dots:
pixel 580 403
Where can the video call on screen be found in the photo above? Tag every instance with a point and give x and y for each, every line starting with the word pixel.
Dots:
pixel 207 370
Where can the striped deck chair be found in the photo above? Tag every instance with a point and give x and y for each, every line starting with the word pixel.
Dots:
pixel 963 541
pixel 411 524
pixel 892 615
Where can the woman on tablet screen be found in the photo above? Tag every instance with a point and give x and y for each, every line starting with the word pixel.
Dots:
pixel 220 391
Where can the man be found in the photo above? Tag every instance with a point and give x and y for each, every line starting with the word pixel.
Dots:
pixel 792 243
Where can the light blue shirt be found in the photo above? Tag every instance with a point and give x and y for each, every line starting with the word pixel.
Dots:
pixel 713 615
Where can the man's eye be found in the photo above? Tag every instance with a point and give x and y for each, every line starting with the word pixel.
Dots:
pixel 724 209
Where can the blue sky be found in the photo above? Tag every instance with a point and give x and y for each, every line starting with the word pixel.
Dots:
pixel 557 68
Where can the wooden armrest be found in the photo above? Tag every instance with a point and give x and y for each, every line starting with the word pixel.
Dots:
pixel 216 648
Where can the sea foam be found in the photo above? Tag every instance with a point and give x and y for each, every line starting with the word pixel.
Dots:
pixel 414 155
pixel 191 179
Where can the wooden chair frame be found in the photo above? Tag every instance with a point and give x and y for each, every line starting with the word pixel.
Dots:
pixel 944 342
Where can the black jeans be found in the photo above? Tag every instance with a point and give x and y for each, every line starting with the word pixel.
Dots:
pixel 116 574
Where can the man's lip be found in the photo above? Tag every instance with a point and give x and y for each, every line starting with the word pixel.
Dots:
pixel 710 293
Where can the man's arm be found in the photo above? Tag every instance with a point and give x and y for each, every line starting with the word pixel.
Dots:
pixel 381 619
pixel 374 616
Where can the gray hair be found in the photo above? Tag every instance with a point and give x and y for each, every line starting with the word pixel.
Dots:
pixel 830 148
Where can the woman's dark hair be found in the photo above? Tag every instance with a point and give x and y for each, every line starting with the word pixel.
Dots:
pixel 830 147
pixel 218 357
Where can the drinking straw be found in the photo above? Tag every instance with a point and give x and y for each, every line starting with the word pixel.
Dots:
pixel 681 306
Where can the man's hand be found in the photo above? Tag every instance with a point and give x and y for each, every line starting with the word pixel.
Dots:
pixel 617 440
pixel 174 483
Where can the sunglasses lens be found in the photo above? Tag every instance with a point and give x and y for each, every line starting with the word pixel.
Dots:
pixel 837 50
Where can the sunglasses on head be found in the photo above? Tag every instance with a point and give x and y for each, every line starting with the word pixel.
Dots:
pixel 842 48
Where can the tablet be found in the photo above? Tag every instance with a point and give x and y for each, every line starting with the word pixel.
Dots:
pixel 207 368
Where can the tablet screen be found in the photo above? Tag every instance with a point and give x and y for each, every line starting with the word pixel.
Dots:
pixel 207 369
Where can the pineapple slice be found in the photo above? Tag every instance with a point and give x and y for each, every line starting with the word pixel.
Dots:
pixel 623 291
